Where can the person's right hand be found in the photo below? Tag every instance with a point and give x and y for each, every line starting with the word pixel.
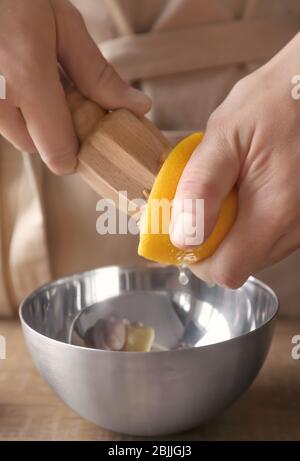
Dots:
pixel 34 37
pixel 251 142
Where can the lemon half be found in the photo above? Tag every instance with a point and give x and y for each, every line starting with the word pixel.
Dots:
pixel 157 246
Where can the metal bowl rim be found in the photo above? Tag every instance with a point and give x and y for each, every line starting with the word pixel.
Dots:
pixel 63 280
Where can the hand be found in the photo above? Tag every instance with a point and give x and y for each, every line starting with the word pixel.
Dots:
pixel 253 141
pixel 34 37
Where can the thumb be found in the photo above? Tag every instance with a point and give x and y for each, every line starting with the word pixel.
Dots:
pixel 207 178
pixel 87 67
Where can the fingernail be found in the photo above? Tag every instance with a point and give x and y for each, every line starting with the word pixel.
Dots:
pixel 185 233
pixel 139 100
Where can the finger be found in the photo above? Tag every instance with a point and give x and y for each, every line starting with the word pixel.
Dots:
pixel 49 122
pixel 202 270
pixel 244 249
pixel 209 175
pixel 87 67
pixel 13 128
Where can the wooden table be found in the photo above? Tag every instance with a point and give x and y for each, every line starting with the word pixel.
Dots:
pixel 269 410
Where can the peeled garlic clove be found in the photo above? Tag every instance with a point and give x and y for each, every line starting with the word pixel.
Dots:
pixel 115 333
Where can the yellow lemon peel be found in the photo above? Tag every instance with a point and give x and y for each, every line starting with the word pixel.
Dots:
pixel 158 246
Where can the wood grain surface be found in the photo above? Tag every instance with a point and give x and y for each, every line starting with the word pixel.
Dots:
pixel 119 151
pixel 29 410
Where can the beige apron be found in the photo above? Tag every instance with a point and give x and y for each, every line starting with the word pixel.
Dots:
pixel 193 49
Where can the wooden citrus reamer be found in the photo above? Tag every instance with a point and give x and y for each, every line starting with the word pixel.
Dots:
pixel 119 151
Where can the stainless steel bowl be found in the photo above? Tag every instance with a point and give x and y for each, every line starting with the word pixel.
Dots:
pixel 160 392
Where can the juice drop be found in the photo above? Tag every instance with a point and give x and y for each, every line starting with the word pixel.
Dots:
pixel 183 277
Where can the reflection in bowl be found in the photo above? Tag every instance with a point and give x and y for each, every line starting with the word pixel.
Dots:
pixel 228 333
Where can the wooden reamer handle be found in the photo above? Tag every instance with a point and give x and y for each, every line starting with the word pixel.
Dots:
pixel 119 151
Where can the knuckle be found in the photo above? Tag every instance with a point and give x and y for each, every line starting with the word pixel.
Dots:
pixel 27 72
pixel 226 115
pixel 68 11
pixel 240 86
pixel 209 191
pixel 75 15
pixel 195 187
pixel 95 84
pixel 220 128
pixel 216 119
pixel 105 75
